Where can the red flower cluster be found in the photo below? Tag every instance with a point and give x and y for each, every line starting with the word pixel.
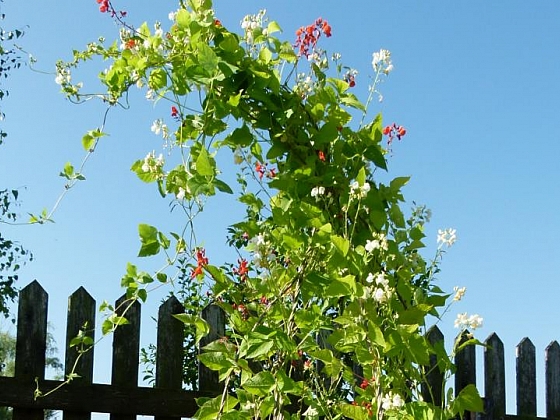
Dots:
pixel 242 270
pixel 104 5
pixel 350 78
pixel 321 156
pixel 262 170
pixel 217 22
pixel 393 131
pixel 174 112
pixel 201 261
pixel 131 43
pixel 307 36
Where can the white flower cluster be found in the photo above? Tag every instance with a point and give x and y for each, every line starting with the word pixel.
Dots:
pixel 459 293
pixel 159 127
pixel 319 58
pixel 63 76
pixel 304 85
pixel 262 254
pixel 153 164
pixel 391 401
pixel 317 192
pixel 379 242
pixel 381 291
pixel 447 237
pixel 382 61
pixel 472 322
pixel 359 191
pixel 252 22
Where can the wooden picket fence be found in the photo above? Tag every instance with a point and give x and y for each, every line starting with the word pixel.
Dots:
pixel 123 399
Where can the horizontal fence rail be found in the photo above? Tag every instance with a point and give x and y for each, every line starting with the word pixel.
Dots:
pixel 124 399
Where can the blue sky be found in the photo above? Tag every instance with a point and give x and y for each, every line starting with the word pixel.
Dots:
pixel 475 83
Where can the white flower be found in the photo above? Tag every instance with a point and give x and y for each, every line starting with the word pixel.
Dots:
pixel 172 16
pixel 381 280
pixel 390 401
pixel 382 61
pixel 181 193
pixel 370 278
pixel 150 95
pixel 447 236
pixel 463 321
pixel 311 412
pixel 371 245
pixel 158 127
pixel 359 191
pixel 317 191
pixel 379 241
pixel 459 293
pixel 475 321
pixel 379 295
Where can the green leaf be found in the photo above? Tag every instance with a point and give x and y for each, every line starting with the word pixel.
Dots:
pixel 468 400
pixel 158 79
pixel 273 27
pixel 202 327
pixel 207 58
pixel 183 18
pixel 260 385
pixel 204 164
pixel 341 244
pixel 149 239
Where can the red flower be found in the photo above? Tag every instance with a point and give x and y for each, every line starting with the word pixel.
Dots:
pixel 242 270
pixel 104 5
pixel 201 261
pixel 387 130
pixel 321 155
pixel 217 22
pixel 174 112
pixel 260 169
pixel 131 43
pixel 364 384
pixel 271 173
pixel 307 36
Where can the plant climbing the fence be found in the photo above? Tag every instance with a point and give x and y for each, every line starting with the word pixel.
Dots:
pixel 327 302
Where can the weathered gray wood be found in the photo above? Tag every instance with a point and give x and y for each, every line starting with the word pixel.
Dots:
pixel 31 343
pixel 494 378
pixel 126 350
pixel 215 317
pixel 552 379
pixel 465 361
pixel 81 314
pixel 101 398
pixel 526 378
pixel 169 355
pixel 433 387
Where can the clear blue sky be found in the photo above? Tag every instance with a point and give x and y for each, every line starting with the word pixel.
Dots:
pixel 475 83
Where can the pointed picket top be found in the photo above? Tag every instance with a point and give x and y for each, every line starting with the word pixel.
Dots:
pixel 494 377
pixel 434 335
pixel 526 378
pixel 432 388
pixel 33 289
pixel 552 379
pixel 169 353
pixel 465 361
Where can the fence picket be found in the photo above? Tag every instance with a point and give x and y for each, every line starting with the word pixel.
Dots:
pixel 126 350
pixel 526 379
pixel 494 378
pixel 81 314
pixel 208 380
pixel 433 388
pixel 169 353
pixel 124 399
pixel 31 342
pixel 552 379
